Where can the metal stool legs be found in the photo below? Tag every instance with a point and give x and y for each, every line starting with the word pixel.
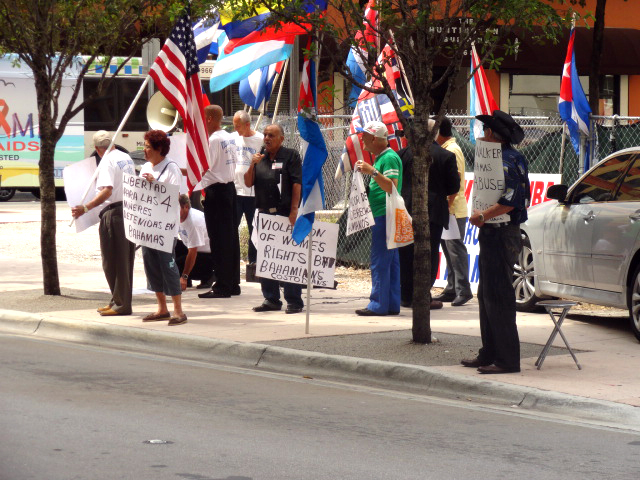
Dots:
pixel 557 328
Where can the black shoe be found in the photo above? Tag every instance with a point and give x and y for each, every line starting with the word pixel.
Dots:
pixel 461 300
pixel 292 309
pixel 214 294
pixel 445 297
pixel 365 312
pixel 236 290
pixel 490 369
pixel 406 304
pixel 393 313
pixel 435 305
pixel 267 307
pixel 473 363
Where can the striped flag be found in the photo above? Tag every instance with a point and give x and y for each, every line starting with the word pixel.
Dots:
pixel 314 152
pixel 572 104
pixel 176 74
pixel 358 53
pixel 482 102
pixel 255 90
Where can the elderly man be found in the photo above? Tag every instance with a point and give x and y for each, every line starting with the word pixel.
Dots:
pixel 458 289
pixel 193 253
pixel 385 264
pixel 118 253
pixel 220 207
pixel 248 143
pixel 500 245
pixel 276 174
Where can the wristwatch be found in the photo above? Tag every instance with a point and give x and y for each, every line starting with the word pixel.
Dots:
pixel 85 208
pixel 374 173
pixel 185 276
pixel 481 218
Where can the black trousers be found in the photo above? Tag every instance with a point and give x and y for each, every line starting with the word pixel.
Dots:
pixel 203 268
pixel 220 217
pixel 406 263
pixel 499 250
pixel 247 206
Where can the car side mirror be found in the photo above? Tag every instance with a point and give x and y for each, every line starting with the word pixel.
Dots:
pixel 557 192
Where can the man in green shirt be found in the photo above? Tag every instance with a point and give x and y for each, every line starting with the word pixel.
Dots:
pixel 385 264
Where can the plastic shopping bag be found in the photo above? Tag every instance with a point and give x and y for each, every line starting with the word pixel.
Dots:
pixel 399 227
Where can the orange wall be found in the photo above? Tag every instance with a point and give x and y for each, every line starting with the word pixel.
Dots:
pixel 634 95
pixel 617 13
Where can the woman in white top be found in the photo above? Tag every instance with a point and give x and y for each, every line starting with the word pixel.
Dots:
pixel 163 276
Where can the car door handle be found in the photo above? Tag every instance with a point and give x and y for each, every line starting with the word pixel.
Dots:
pixel 589 216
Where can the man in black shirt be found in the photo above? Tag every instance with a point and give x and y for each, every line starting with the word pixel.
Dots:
pixel 275 166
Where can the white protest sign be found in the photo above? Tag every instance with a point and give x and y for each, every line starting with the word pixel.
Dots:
pixel 151 212
pixel 76 178
pixel 279 258
pixel 360 216
pixel 488 174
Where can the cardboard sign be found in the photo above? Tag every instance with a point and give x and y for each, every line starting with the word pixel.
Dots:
pixel 488 178
pixel 279 258
pixel 359 216
pixel 151 212
pixel 76 178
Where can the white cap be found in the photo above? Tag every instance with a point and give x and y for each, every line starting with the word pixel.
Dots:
pixel 377 129
pixel 101 138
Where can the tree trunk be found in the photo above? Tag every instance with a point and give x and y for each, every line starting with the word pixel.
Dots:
pixel 596 55
pixel 421 327
pixel 48 140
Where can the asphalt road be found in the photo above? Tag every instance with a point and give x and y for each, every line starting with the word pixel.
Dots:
pixel 75 412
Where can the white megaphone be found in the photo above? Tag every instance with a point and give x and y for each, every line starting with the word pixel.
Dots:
pixel 161 115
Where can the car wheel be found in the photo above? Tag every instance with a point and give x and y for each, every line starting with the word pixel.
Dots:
pixel 523 279
pixel 634 304
pixel 7 194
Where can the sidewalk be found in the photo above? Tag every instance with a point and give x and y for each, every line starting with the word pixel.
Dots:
pixel 341 345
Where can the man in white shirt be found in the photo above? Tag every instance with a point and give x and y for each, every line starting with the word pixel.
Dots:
pixel 220 207
pixel 193 253
pixel 118 253
pixel 248 143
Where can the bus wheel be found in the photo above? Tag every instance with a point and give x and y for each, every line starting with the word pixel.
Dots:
pixel 7 194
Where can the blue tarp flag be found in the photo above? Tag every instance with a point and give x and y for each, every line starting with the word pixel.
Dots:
pixel 314 153
pixel 572 104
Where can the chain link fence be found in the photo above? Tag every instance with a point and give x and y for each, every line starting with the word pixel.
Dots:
pixel 544 147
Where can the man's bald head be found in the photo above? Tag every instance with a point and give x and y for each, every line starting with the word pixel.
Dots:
pixel 213 117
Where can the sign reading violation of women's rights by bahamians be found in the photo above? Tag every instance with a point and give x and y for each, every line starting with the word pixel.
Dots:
pixel 360 216
pixel 488 178
pixel 279 258
pixel 151 212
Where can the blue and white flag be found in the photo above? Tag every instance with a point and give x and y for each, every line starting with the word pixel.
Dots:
pixel 314 153
pixel 572 104
pixel 368 35
pixel 255 90
pixel 206 33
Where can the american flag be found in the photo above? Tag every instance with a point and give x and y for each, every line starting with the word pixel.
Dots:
pixel 176 74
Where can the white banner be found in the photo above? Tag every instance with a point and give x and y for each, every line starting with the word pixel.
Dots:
pixel 151 212
pixel 489 178
pixel 279 258
pixel 539 184
pixel 359 216
pixel 76 178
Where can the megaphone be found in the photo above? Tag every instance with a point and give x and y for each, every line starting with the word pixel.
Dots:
pixel 161 115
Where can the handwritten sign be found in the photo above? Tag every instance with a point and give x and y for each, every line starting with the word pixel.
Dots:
pixel 488 178
pixel 279 258
pixel 151 212
pixel 359 216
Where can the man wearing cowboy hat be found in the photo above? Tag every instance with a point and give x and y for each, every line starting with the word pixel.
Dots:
pixel 500 245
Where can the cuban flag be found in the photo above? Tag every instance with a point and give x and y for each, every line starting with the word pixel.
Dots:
pixel 572 104
pixel 206 33
pixel 314 153
pixel 481 98
pixel 378 107
pixel 255 90
pixel 358 53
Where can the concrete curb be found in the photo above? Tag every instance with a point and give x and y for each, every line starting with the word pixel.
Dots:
pixel 415 378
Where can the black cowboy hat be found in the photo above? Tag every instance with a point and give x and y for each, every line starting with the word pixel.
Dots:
pixel 504 125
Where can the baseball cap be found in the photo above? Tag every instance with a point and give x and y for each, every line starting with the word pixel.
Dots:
pixel 101 138
pixel 377 129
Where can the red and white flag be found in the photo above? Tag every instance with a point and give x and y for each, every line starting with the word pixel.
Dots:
pixel 176 74
pixel 482 102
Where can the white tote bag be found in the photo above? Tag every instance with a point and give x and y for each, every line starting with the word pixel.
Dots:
pixel 399 227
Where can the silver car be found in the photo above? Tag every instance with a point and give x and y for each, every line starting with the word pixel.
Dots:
pixel 584 244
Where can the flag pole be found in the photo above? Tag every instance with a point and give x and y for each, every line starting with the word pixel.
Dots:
pixel 113 139
pixel 402 71
pixel 275 111
pixel 309 287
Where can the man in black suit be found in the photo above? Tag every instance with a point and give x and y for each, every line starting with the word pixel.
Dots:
pixel 443 181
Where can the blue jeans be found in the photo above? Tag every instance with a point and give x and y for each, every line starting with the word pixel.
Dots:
pixel 499 250
pixel 385 271
pixel 457 263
